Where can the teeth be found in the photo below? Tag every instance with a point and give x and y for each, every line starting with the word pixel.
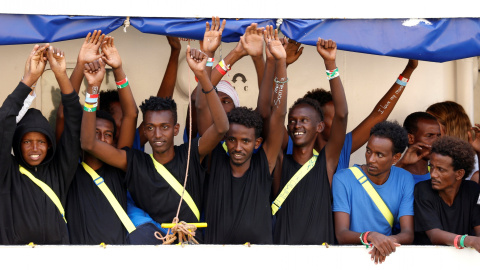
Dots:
pixel 298 133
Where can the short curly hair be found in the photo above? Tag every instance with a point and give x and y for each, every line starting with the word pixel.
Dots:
pixel 308 101
pixel 160 104
pixel 411 122
pixel 461 152
pixel 101 114
pixel 321 95
pixel 246 117
pixel 107 98
pixel 392 131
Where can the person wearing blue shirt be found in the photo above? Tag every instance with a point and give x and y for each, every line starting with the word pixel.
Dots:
pixel 357 217
pixel 359 135
pixel 423 130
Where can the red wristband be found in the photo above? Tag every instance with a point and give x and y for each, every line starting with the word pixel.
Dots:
pixel 365 237
pixel 455 242
pixel 403 79
pixel 122 81
pixel 220 69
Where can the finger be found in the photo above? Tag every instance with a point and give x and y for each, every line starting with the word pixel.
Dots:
pixel 247 31
pixel 34 50
pixel 94 36
pixel 87 38
pixel 91 67
pixel 87 67
pixel 300 51
pixel 100 40
pixel 188 51
pixel 224 22
pixel 334 45
pixel 112 39
pixel 102 63
pixel 207 27
pixel 217 23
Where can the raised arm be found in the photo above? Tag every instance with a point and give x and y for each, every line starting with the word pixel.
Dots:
pixel 211 40
pixel 94 73
pixel 328 51
pixel 276 124
pixel 252 42
pixel 196 61
pixel 474 140
pixel 88 53
pixel 127 102
pixel 13 103
pixel 383 108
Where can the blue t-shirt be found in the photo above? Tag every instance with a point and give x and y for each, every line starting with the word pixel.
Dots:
pixel 343 161
pixel 421 177
pixel 350 197
pixel 136 141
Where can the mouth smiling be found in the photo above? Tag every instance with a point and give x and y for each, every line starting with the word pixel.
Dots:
pixel 35 157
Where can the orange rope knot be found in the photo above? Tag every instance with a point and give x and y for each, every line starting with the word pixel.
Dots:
pixel 184 232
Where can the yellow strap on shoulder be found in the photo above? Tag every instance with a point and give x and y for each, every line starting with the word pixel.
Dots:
pixel 277 204
pixel 373 194
pixel 50 193
pixel 122 215
pixel 224 144
pixel 176 186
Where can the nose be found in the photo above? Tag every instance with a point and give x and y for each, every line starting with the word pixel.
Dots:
pixel 157 132
pixel 237 146
pixel 35 146
pixel 371 158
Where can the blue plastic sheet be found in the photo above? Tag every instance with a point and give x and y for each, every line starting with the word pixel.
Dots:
pixel 436 40
pixel 195 28
pixel 24 29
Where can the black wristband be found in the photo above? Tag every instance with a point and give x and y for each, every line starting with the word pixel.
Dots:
pixel 206 92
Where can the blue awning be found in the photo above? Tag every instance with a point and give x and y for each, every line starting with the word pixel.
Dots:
pixel 436 40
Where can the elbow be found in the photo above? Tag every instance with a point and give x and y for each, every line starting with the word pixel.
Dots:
pixel 87 145
pixel 223 128
pixel 340 238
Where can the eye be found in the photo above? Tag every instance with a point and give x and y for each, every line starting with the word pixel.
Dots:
pixel 380 155
pixel 231 139
pixel 246 141
pixel 26 142
pixel 165 127
pixel 149 128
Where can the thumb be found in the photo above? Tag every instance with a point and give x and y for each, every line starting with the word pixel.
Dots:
pixel 300 51
pixel 188 51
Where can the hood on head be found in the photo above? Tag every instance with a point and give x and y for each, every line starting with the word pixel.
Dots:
pixel 33 121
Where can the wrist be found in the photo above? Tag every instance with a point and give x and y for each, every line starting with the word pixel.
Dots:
pixel 329 65
pixel 257 58
pixel 210 54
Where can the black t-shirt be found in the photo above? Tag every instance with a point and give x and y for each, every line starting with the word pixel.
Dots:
pixel 305 217
pixel 238 210
pixel 91 218
pixel 431 211
pixel 154 195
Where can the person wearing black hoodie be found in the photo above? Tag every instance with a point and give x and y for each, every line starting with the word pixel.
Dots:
pixel 27 213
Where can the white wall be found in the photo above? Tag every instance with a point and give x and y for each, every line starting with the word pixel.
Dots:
pixel 365 77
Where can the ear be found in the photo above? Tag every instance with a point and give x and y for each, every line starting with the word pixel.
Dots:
pixel 258 142
pixel 459 174
pixel 411 139
pixel 176 129
pixel 396 157
pixel 320 127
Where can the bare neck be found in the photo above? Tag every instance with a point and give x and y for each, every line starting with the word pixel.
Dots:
pixel 448 195
pixel 92 161
pixel 418 168
pixel 164 157
pixel 239 170
pixel 377 179
pixel 301 154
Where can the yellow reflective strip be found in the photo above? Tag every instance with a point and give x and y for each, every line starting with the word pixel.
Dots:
pixel 176 186
pixel 122 215
pixel 382 207
pixel 276 205
pixel 224 144
pixel 50 193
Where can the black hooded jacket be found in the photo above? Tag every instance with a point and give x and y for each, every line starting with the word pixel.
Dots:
pixel 27 214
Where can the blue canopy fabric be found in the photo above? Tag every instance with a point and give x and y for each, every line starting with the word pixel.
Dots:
pixel 195 28
pixel 25 29
pixel 436 40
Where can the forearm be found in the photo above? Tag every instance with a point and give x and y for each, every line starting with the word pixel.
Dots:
pixel 127 102
pixel 338 94
pixel 216 110
pixel 264 102
pixel 259 64
pixel 88 130
pixel 77 75
pixel 404 238
pixel 64 83
pixel 229 60
pixel 170 77
pixel 347 237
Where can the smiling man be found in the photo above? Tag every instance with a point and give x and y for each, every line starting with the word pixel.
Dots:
pixel 447 207
pixel 368 199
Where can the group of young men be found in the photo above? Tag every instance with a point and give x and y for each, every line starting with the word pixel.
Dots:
pixel 247 175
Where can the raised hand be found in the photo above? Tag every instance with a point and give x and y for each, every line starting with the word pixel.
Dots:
pixel 252 40
pixel 213 36
pixel 174 43
pixel 293 50
pixel 327 49
pixel 110 53
pixel 35 64
pixel 56 58
pixel 415 152
pixel 197 61
pixel 474 139
pixel 94 72
pixel 89 51
pixel 274 44
pixel 412 63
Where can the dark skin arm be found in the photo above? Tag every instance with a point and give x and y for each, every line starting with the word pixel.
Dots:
pixel 252 42
pixel 211 41
pixel 214 134
pixel 328 51
pixel 94 73
pixel 381 111
pixel 89 52
pixel 272 145
pixel 169 78
pixel 474 140
pixel 127 102
pixel 441 237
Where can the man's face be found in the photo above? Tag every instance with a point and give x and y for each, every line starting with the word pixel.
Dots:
pixel 379 155
pixel 104 131
pixel 34 147
pixel 160 130
pixel 443 174
pixel 227 102
pixel 241 142
pixel 304 125
pixel 428 131
pixel 328 113
pixel 117 114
